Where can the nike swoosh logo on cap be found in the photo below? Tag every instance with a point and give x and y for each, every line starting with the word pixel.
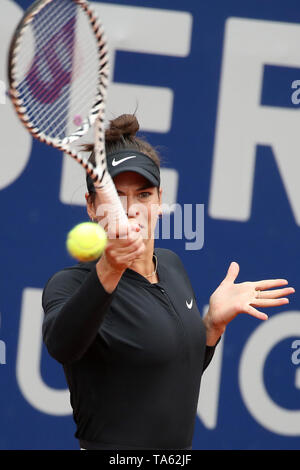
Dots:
pixel 115 163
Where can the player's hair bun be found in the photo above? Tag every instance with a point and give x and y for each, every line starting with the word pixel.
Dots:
pixel 121 135
pixel 125 126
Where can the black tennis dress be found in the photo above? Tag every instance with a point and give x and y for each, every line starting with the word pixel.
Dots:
pixel 133 359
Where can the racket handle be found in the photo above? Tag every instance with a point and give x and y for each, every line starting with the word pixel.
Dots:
pixel 111 202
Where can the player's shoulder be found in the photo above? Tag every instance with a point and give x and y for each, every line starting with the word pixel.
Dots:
pixel 175 268
pixel 166 255
pixel 172 261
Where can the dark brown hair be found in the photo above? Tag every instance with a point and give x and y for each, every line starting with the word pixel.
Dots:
pixel 121 135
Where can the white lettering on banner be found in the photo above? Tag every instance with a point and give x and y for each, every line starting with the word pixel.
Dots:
pixel 2 349
pixel 34 389
pixel 251 374
pixel 2 352
pixel 127 28
pixel 267 413
pixel 15 140
pixel 242 123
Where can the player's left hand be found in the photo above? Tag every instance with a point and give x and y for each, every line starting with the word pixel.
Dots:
pixel 230 299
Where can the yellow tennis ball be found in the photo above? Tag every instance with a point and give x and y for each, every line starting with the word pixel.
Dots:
pixel 86 241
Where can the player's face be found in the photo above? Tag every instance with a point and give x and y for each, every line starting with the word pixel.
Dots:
pixel 141 201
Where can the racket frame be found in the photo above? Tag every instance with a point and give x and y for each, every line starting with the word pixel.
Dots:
pixel 97 112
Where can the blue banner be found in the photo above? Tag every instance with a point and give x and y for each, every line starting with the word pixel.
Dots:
pixel 216 86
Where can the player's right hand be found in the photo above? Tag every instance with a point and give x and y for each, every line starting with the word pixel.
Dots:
pixel 120 252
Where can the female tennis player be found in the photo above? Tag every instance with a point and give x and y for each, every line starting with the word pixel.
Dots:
pixel 126 327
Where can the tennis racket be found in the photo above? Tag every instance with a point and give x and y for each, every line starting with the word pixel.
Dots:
pixel 58 74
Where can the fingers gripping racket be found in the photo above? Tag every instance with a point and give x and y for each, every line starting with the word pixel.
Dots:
pixel 58 75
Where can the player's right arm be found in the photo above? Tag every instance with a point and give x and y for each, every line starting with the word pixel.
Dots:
pixel 75 302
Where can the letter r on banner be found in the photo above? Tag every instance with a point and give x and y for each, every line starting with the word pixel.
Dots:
pixel 242 123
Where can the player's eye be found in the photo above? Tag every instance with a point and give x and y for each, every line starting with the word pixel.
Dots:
pixel 144 195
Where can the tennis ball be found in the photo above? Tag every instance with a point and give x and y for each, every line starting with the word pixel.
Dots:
pixel 86 241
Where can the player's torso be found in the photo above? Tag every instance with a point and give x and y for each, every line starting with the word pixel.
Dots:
pixel 154 323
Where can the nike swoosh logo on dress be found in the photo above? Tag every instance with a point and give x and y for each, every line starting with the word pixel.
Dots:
pixel 115 163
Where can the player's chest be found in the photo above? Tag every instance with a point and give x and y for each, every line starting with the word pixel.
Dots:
pixel 155 324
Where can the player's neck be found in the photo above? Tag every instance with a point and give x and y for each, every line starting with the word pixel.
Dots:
pixel 146 265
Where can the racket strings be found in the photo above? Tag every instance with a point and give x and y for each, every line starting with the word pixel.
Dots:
pixel 46 18
pixel 57 114
pixel 44 22
pixel 85 76
pixel 77 104
pixel 59 68
pixel 80 101
pixel 54 68
pixel 43 53
pixel 91 102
